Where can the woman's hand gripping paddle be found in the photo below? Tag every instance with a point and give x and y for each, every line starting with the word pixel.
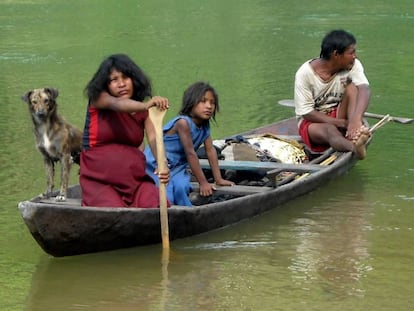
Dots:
pixel 156 115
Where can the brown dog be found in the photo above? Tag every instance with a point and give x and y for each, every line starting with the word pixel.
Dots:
pixel 56 139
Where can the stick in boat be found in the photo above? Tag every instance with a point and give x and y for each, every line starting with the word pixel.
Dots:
pixel 290 103
pixel 326 157
pixel 156 115
pixel 380 123
pixel 325 162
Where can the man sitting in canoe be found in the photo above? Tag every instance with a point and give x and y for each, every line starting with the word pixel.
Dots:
pixel 331 96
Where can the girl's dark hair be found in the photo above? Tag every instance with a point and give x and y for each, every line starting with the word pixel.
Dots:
pixel 121 63
pixel 336 40
pixel 195 94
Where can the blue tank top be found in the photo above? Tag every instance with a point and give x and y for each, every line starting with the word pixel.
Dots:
pixel 174 149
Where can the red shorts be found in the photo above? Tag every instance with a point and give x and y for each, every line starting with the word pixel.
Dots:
pixel 303 132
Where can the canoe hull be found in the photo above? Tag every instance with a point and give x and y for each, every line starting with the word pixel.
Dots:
pixel 66 228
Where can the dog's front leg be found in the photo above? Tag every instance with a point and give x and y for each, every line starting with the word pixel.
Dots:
pixel 50 174
pixel 66 162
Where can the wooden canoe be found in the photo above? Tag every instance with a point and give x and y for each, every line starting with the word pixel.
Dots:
pixel 66 228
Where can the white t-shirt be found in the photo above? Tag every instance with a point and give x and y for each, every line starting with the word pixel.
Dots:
pixel 313 93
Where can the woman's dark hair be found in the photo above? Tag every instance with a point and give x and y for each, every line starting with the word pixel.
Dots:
pixel 195 94
pixel 121 63
pixel 336 40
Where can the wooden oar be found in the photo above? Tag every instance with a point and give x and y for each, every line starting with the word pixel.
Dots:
pixel 290 103
pixel 395 119
pixel 156 117
pixel 380 123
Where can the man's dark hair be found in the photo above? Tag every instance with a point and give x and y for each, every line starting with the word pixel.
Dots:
pixel 336 40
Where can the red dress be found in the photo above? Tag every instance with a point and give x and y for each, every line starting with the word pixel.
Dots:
pixel 112 168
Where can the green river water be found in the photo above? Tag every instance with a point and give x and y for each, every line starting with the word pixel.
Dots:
pixel 347 246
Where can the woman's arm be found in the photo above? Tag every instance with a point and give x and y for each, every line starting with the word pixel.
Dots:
pixel 107 101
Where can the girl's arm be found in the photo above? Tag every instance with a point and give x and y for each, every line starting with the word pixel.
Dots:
pixel 213 160
pixel 107 101
pixel 183 129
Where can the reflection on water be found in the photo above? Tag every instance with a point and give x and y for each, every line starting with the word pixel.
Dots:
pixel 318 252
pixel 336 261
pixel 123 280
pixel 90 283
pixel 332 247
pixel 116 281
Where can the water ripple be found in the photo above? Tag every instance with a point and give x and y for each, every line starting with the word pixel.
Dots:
pixel 25 58
pixel 230 245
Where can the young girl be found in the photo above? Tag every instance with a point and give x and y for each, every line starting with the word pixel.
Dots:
pixel 112 168
pixel 183 135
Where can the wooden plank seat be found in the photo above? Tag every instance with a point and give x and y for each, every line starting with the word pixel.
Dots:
pixel 234 190
pixel 272 169
pixel 262 166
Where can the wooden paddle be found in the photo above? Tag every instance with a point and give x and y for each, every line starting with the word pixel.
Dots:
pixel 290 103
pixel 157 117
pixel 395 119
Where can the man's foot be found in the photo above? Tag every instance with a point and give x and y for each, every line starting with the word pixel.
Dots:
pixel 354 135
pixel 360 149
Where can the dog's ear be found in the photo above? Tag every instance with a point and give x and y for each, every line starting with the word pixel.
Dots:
pixel 52 92
pixel 26 97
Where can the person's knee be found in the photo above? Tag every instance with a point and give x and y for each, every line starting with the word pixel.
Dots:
pixel 320 132
pixel 350 94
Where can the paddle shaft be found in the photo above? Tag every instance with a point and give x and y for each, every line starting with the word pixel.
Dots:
pixel 156 117
pixel 290 103
pixel 395 119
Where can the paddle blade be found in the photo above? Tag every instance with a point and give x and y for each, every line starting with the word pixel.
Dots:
pixel 392 118
pixel 287 102
pixel 291 103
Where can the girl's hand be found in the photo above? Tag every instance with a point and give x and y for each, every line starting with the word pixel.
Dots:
pixel 206 189
pixel 224 182
pixel 163 176
pixel 160 102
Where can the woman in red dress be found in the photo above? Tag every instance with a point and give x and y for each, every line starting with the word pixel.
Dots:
pixel 112 169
